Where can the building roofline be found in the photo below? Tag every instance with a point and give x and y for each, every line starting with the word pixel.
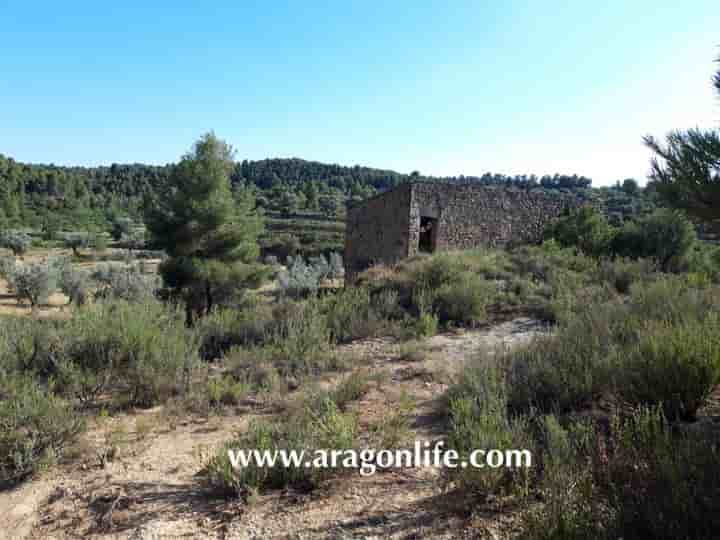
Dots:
pixel 412 183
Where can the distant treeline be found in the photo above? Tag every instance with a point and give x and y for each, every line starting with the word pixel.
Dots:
pixel 52 197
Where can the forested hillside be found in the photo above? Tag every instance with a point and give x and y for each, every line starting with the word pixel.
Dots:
pixel 303 201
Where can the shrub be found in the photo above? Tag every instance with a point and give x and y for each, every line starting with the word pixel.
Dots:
pixel 351 389
pixel 385 304
pixel 35 427
pixel 621 273
pixel 572 508
pixel 143 350
pixel 440 270
pixel 27 345
pixel 7 266
pixel 301 338
pixel 319 425
pixel 255 366
pixel 393 429
pixel 73 283
pixel 585 229
pixel 301 279
pixel 76 241
pixel 665 235
pixel 464 299
pixel 123 283
pixel 673 366
pixel 16 241
pixel 639 478
pixel 350 314
pixel 568 370
pixel 337 267
pixel 225 328
pixel 426 325
pixel 225 391
pixel 100 243
pixel 478 419
pixel 33 282
pixel 661 483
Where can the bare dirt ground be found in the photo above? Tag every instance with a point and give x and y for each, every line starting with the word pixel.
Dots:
pixel 150 490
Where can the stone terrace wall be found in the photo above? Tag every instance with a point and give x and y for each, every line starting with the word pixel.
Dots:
pixel 472 216
pixel 377 230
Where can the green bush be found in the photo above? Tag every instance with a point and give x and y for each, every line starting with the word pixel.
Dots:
pixel 301 338
pixel 665 235
pixel 254 365
pixel 638 478
pixel 352 388
pixel 225 328
pixel 226 391
pixel 7 266
pixel 426 325
pixel 142 350
pixel 16 241
pixel 464 300
pixel 353 314
pixel 35 427
pixel 569 370
pixel 320 424
pixel 673 366
pixel 123 283
pixel 440 269
pixel 478 417
pixel 585 229
pixel 34 282
pixel 622 273
pixel 563 372
pixel 570 509
pixel 661 483
pixel 74 283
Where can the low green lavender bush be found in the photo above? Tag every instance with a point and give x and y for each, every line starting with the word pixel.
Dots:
pixel 141 349
pixel 478 418
pixel 464 300
pixel 353 313
pixel 226 390
pixel 639 478
pixel 300 340
pixel 319 424
pixel 675 367
pixel 248 325
pixel 35 427
pixel 352 388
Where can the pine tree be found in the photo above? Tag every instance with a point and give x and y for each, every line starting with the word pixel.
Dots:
pixel 686 170
pixel 210 241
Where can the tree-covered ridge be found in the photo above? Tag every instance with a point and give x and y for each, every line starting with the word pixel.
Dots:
pixel 49 197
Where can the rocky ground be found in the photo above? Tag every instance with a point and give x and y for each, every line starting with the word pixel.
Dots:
pixel 150 489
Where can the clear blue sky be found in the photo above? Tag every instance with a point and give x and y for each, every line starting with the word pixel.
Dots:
pixel 453 87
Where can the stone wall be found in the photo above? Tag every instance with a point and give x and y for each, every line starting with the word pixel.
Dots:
pixel 386 228
pixel 377 230
pixel 471 216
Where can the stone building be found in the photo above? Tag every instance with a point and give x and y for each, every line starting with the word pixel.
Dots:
pixel 428 217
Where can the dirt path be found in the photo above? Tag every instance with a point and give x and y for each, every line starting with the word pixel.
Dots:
pixel 150 490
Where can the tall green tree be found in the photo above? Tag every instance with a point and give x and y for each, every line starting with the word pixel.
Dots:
pixel 211 242
pixel 686 170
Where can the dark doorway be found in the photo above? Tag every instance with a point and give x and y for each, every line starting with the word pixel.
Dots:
pixel 428 234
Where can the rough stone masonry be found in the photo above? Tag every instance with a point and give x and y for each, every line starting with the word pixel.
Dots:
pixel 431 217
